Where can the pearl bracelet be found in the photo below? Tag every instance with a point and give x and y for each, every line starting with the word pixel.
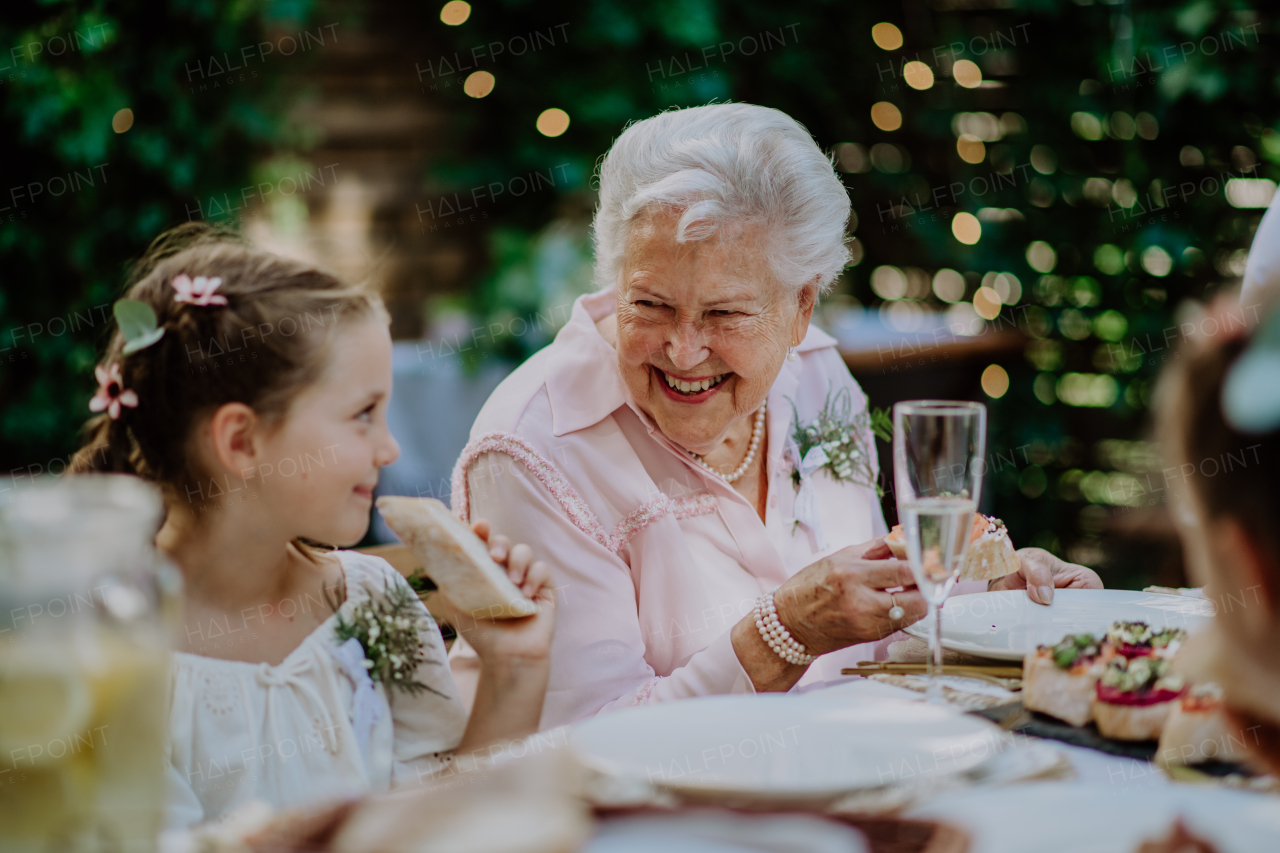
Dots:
pixel 777 635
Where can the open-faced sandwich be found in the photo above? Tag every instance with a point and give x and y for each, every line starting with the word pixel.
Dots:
pixel 990 553
pixel 1134 697
pixel 1166 642
pixel 1060 680
pixel 1138 639
pixel 1199 730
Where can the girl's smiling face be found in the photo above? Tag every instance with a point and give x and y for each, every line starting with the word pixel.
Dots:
pixel 703 327
pixel 320 464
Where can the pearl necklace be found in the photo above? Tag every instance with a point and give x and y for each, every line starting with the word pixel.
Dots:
pixel 757 433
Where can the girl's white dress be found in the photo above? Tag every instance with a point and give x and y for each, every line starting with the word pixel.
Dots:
pixel 298 733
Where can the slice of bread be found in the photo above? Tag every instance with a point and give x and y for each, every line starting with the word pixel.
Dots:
pixel 455 558
pixel 1063 693
pixel 1131 722
pixel 990 553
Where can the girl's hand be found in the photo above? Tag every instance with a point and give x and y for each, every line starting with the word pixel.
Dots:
pixel 1041 572
pixel 525 640
pixel 515 654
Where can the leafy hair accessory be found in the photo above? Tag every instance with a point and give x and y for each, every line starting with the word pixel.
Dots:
pixel 137 324
pixel 111 392
pixel 139 329
pixel 198 291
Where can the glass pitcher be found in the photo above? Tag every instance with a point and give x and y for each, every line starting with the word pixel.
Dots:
pixel 86 606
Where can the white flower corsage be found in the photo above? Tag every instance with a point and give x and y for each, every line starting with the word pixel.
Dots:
pixel 388 627
pixel 842 444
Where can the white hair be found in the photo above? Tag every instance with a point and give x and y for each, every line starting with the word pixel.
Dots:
pixel 726 163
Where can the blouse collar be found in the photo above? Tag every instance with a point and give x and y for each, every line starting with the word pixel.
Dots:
pixel 584 384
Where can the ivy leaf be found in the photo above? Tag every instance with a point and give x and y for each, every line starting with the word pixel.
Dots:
pixel 881 424
pixel 137 323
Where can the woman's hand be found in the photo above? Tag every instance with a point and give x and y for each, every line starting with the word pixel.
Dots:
pixel 512 640
pixel 841 600
pixel 1041 572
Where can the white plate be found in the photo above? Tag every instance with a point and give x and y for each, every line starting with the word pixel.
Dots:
pixel 777 748
pixel 1053 817
pixel 1006 625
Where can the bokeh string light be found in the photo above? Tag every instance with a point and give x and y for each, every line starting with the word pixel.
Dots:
pixel 886 116
pixel 886 36
pixel 948 285
pixel 966 228
pixel 479 83
pixel 455 13
pixel 987 303
pixel 970 148
pixel 553 122
pixel 1041 257
pixel 995 381
pixel 966 73
pixel 918 75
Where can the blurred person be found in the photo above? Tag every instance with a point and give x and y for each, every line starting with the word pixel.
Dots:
pixel 255 397
pixel 1260 289
pixel 1219 422
pixel 650 454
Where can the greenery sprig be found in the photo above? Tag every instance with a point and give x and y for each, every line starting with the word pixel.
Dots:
pixel 420 583
pixel 388 629
pixel 839 432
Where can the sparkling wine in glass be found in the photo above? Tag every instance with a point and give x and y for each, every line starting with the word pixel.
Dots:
pixel 938 448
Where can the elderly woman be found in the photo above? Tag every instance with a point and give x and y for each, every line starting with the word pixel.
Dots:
pixel 648 451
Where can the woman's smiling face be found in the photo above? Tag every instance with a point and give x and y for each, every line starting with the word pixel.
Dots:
pixel 703 327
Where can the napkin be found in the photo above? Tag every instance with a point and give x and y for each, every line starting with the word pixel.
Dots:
pixel 911 649
pixel 971 694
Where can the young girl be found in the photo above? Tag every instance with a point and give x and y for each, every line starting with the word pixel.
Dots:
pixel 257 401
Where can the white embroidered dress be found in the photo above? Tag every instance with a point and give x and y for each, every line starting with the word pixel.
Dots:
pixel 655 559
pixel 296 733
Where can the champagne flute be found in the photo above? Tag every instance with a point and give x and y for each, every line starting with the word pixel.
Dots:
pixel 938 448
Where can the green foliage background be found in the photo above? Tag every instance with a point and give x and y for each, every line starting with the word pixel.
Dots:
pixel 63 258
pixel 1079 468
pixel 608 62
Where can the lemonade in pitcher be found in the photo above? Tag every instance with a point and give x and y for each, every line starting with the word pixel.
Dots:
pixel 83 668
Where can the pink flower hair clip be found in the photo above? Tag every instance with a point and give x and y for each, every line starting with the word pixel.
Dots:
pixel 198 291
pixel 111 392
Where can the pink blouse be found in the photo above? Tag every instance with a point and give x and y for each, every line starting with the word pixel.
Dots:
pixel 655 558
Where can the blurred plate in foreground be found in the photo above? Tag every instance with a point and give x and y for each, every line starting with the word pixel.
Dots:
pixel 1051 817
pixel 749 750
